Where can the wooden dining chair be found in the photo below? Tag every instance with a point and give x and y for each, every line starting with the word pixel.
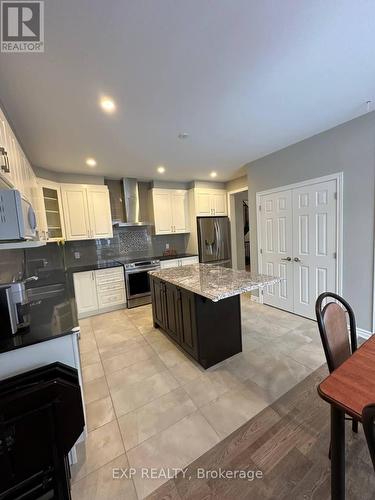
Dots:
pixel 368 421
pixel 338 343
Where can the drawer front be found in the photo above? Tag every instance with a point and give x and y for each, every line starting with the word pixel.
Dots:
pixel 187 261
pixel 109 273
pixel 107 287
pixel 165 264
pixel 108 281
pixel 111 298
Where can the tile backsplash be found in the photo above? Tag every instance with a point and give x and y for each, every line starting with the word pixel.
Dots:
pixel 126 242
pixel 131 240
pixel 11 265
pixel 52 258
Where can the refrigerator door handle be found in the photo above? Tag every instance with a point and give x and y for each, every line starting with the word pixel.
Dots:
pixel 217 238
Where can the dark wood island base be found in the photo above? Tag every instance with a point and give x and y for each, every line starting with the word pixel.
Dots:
pixel 207 331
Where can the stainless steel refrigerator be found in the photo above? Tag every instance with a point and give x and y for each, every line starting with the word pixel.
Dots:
pixel 214 240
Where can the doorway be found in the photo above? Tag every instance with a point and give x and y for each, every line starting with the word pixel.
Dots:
pixel 300 240
pixel 240 229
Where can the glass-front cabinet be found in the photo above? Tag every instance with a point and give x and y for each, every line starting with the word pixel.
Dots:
pixel 54 221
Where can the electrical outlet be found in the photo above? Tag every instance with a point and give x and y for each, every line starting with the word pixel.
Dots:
pixel 167 246
pixel 77 255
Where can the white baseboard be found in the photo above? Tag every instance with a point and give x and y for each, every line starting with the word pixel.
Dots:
pixel 365 334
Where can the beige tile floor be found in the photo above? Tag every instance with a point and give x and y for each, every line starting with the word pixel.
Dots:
pixel 148 405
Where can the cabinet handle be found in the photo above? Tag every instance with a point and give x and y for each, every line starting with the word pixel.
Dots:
pixel 7 162
pixel 5 168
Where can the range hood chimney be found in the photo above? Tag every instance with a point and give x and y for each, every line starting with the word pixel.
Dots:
pixel 129 198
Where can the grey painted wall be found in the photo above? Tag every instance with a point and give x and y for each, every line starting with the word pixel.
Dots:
pixel 68 178
pixel 235 184
pixel 348 148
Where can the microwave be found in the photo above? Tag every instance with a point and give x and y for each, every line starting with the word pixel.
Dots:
pixel 17 217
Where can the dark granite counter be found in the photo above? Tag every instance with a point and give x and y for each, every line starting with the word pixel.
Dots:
pixel 52 315
pixel 107 264
pixel 93 266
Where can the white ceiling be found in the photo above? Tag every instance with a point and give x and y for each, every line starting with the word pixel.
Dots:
pixel 242 77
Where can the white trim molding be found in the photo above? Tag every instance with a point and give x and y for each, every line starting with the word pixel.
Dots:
pixel 232 216
pixel 339 178
pixel 365 334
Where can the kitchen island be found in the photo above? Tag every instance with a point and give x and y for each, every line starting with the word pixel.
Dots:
pixel 198 307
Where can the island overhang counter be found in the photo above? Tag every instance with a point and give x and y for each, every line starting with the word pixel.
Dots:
pixel 198 307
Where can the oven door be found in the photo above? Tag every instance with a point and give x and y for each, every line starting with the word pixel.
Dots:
pixel 138 282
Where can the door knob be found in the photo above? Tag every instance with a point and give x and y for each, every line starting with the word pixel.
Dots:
pixel 287 258
pixel 296 259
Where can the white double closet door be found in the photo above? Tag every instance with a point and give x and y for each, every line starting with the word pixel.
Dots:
pixel 299 243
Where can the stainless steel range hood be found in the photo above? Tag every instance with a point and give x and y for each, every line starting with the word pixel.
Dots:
pixel 126 193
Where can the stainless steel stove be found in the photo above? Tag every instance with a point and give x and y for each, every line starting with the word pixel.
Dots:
pixel 137 281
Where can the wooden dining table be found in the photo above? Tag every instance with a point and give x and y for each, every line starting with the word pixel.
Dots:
pixel 348 389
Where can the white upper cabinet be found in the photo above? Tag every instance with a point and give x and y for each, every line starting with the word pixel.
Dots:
pixel 5 169
pixel 162 210
pixel 203 203
pixel 170 209
pixel 76 217
pixel 87 213
pixel 52 216
pixel 15 170
pixel 17 173
pixel 210 202
pixel 180 211
pixel 99 211
pixel 219 203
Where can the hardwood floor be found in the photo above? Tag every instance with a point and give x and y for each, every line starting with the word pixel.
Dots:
pixel 288 441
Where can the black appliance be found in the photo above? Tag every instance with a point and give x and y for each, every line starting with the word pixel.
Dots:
pixel 8 318
pixel 41 418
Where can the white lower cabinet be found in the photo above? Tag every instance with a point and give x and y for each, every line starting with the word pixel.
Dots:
pixel 185 261
pixel 99 291
pixel 110 287
pixel 85 292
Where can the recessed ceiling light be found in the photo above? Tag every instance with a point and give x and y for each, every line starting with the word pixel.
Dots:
pixel 183 135
pixel 91 162
pixel 161 169
pixel 213 174
pixel 107 104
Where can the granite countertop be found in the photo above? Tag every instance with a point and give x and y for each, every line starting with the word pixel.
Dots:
pixel 52 315
pixel 214 282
